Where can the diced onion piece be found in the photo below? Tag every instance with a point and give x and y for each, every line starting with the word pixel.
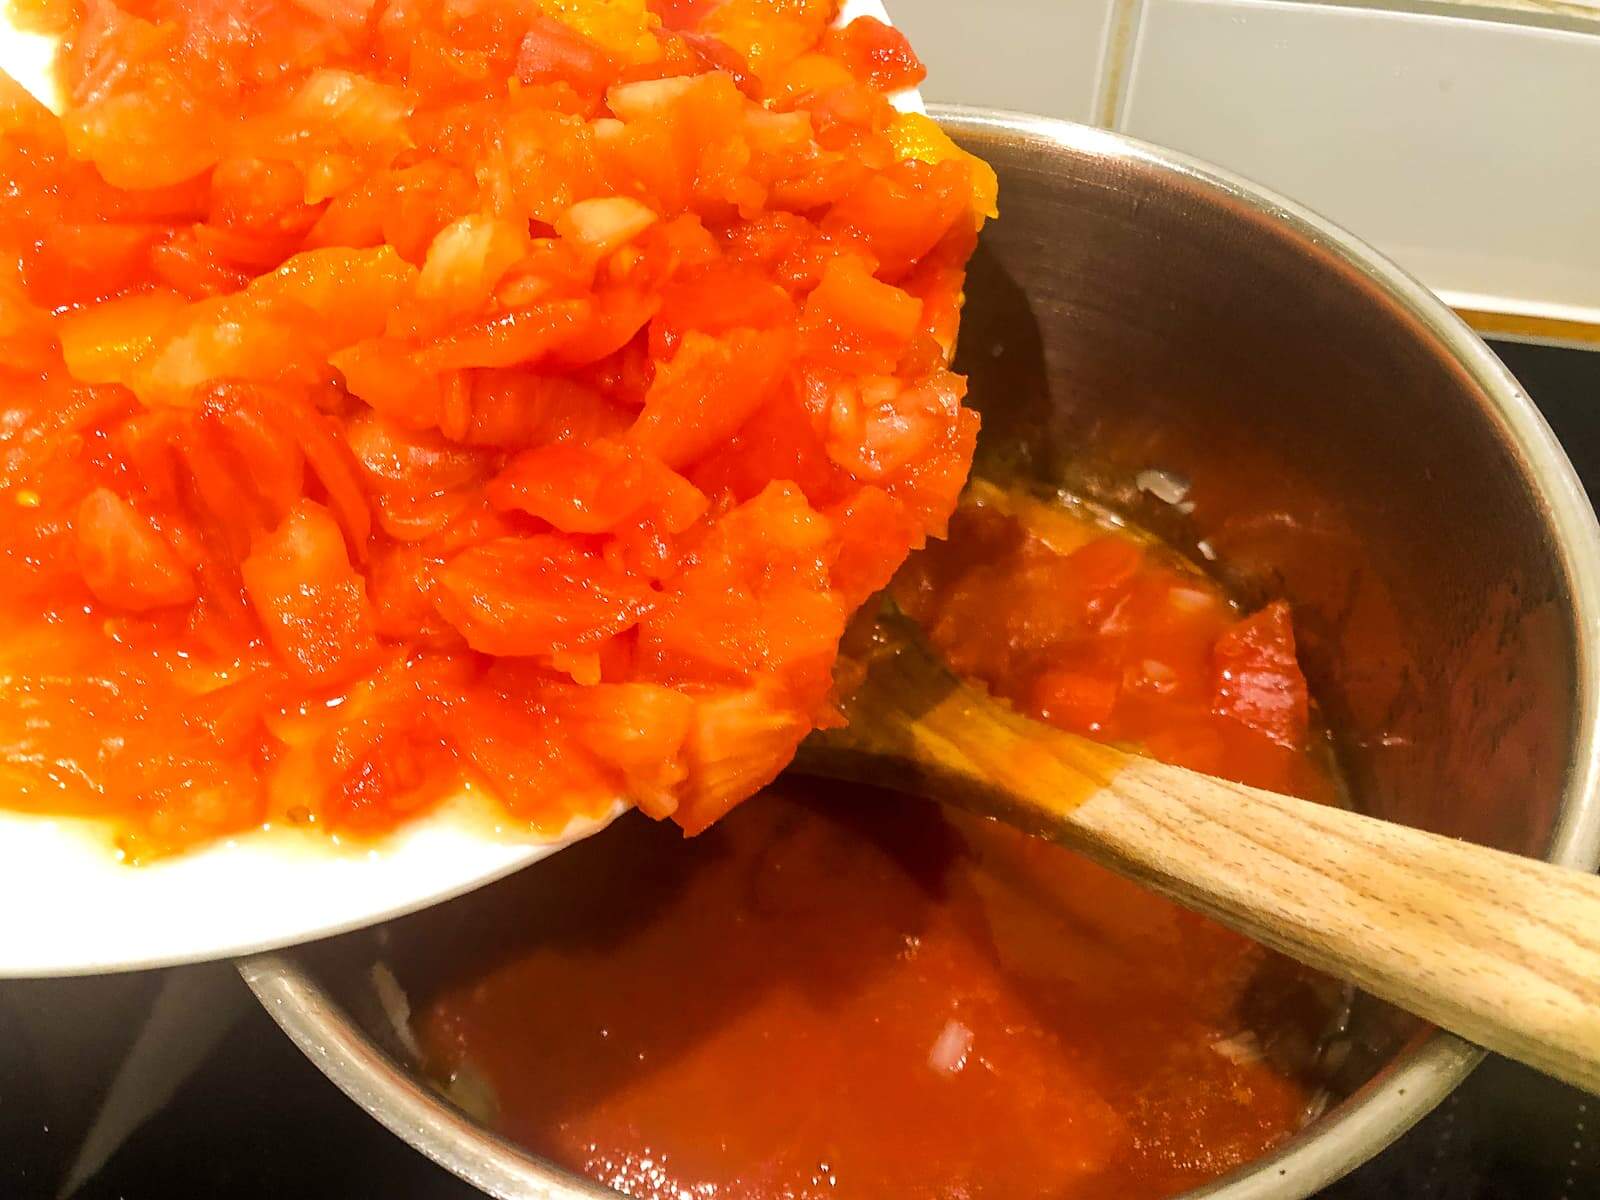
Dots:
pixel 392 999
pixel 951 1048
pixel 605 223
pixel 630 101
pixel 1242 1049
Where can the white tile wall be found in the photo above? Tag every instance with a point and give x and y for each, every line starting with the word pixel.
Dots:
pixel 1040 56
pixel 1468 150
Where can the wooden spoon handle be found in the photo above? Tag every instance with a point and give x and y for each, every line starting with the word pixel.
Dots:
pixel 1501 949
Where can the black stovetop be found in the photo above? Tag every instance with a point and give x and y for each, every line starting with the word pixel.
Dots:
pixel 175 1084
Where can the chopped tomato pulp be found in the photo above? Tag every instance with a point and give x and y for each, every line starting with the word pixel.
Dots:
pixel 400 395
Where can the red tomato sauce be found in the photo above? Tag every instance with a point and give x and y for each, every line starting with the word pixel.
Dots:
pixel 398 396
pixel 838 992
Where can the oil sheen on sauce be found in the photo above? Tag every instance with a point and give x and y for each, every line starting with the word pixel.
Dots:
pixel 842 992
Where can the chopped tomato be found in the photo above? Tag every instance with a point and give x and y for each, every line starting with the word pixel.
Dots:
pixel 125 562
pixel 397 773
pixel 877 54
pixel 311 602
pixel 710 388
pixel 596 488
pixel 535 595
pixel 716 300
pixel 712 54
pixel 900 214
pixel 1111 637
pixel 638 730
pixel 737 744
pixel 876 533
pixel 851 321
pixel 596 357
pixel 1258 682
pixel 420 479
pixel 1076 700
pixel 553 52
pixel 537 775
pixel 104 343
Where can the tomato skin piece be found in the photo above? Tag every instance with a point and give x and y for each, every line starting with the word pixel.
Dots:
pixel 681 14
pixel 1258 680
pixel 330 460
pixel 521 337
pixel 596 488
pixel 312 603
pixel 124 561
pixel 553 52
pixel 519 596
pixel 713 54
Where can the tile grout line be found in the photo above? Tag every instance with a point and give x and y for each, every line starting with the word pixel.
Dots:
pixel 1511 9
pixel 1571 16
pixel 1116 62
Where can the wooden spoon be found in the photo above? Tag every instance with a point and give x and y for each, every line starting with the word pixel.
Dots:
pixel 1503 950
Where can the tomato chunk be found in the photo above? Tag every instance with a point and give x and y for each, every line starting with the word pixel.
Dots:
pixel 1258 682
pixel 596 488
pixel 707 391
pixel 311 602
pixel 877 54
pixel 126 562
pixel 536 595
